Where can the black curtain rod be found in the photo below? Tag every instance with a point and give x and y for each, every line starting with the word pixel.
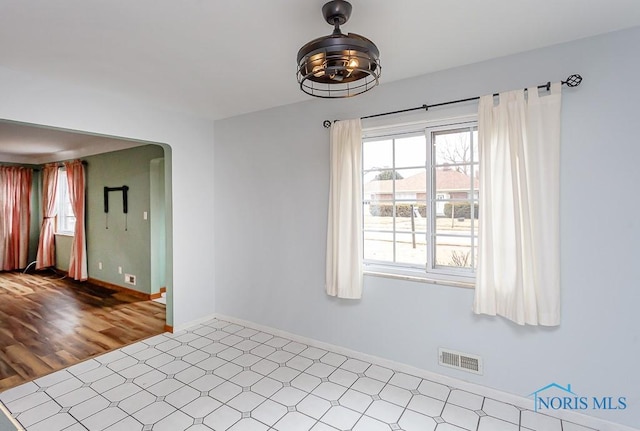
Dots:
pixel 61 164
pixel 571 81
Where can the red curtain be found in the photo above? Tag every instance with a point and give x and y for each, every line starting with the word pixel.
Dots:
pixel 76 182
pixel 15 216
pixel 46 246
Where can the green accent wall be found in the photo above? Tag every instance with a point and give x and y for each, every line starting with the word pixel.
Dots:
pixel 117 239
pixel 36 216
pixel 63 251
pixel 141 247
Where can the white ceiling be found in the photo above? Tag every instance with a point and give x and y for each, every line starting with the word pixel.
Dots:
pixel 25 143
pixel 217 59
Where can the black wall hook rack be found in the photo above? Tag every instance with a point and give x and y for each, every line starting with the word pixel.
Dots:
pixel 125 204
pixel 125 197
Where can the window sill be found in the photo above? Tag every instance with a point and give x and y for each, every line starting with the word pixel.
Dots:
pixel 64 234
pixel 453 283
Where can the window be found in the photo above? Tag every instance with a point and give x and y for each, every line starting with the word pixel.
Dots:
pixel 420 201
pixel 66 220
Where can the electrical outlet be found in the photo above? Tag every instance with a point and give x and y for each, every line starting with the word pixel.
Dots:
pixel 119 270
pixel 130 279
pixel 100 266
pixel 144 215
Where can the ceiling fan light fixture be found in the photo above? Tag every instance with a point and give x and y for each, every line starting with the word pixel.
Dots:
pixel 338 65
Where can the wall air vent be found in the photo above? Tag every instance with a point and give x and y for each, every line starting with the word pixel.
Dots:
pixel 460 361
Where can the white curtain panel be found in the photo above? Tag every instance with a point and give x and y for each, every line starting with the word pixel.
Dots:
pixel 518 273
pixel 344 230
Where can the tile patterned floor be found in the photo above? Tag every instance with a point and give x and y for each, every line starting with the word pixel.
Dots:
pixel 224 377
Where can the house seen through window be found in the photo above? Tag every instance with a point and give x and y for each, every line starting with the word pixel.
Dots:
pixel 420 201
pixel 66 220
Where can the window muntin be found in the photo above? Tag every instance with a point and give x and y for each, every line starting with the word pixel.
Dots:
pixel 66 220
pixel 420 202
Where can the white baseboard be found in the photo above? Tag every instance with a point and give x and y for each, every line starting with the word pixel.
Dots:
pixel 185 326
pixel 505 397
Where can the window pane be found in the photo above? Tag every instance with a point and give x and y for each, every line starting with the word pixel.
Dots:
pixel 457 216
pixel 456 226
pixel 411 151
pixel 61 200
pixel 378 185
pixel 411 185
pixel 66 220
pixel 453 147
pixel 455 183
pixel 421 200
pixel 475 169
pixel 476 153
pixel 454 252
pixel 378 246
pixel 411 249
pixel 404 221
pixel 377 154
pixel 378 216
pixel 69 224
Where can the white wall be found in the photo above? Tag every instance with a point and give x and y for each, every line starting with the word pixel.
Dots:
pixel 37 100
pixel 271 182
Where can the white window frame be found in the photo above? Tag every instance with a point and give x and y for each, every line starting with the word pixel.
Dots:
pixel 61 201
pixel 429 273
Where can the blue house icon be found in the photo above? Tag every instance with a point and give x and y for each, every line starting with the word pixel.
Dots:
pixel 546 388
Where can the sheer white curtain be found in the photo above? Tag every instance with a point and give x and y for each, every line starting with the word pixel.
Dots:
pixel 344 230
pixel 518 274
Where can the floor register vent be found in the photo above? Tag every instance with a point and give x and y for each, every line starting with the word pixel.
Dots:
pixel 460 361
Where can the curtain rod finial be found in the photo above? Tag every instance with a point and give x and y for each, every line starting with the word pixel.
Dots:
pixel 573 80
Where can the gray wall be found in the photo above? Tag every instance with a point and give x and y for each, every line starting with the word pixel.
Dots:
pixel 271 187
pixel 157 221
pixel 188 144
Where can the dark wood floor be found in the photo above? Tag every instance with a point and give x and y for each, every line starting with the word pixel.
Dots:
pixel 48 323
